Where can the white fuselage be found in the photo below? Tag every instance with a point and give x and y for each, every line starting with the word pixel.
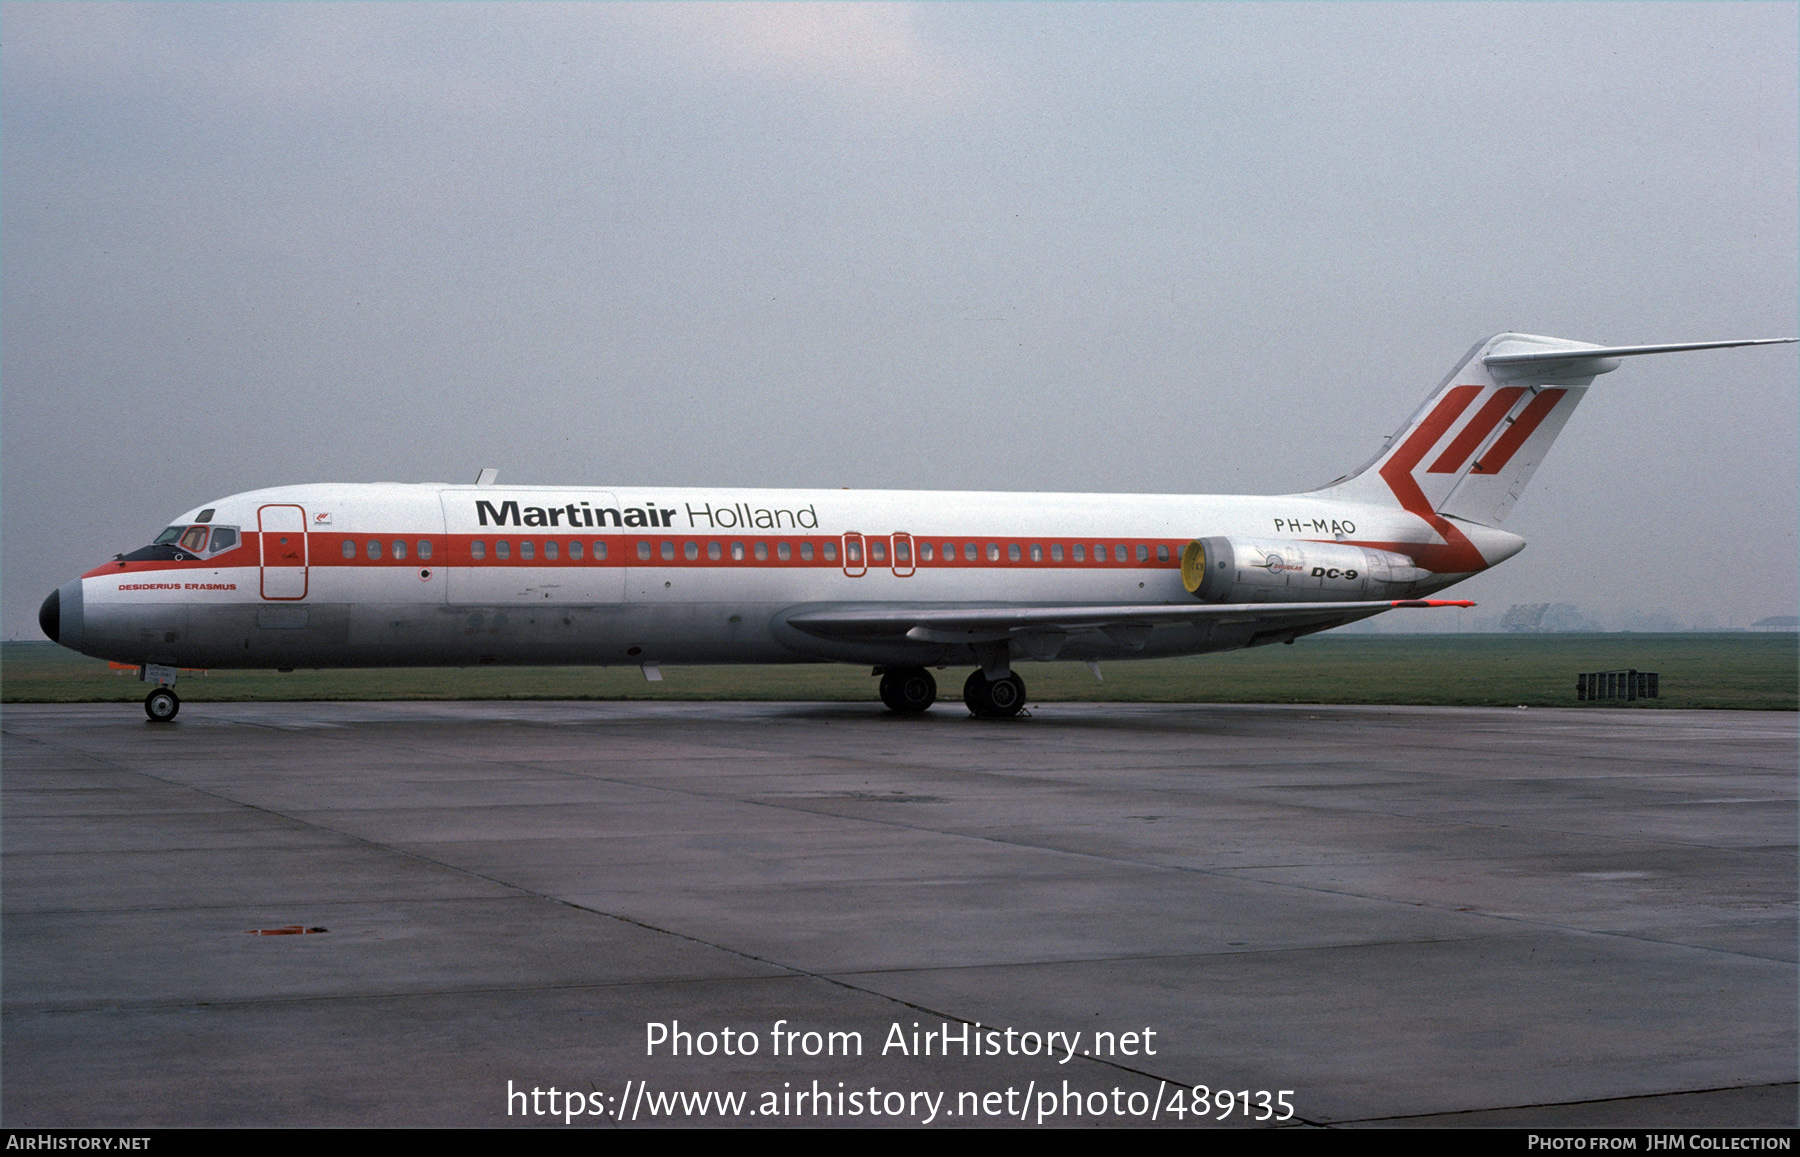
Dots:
pixel 398 575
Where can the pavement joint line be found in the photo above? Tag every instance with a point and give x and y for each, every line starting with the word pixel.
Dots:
pixel 1591 1101
pixel 409 994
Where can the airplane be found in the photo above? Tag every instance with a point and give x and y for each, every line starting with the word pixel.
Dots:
pixel 381 575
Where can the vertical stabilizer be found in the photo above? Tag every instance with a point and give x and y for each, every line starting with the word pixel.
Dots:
pixel 1468 452
pixel 1464 456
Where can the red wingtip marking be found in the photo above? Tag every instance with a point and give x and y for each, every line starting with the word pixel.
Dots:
pixel 1433 603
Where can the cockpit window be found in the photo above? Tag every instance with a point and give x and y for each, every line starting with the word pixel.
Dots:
pixel 159 552
pixel 185 544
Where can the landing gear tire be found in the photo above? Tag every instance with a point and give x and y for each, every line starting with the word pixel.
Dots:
pixel 994 699
pixel 161 705
pixel 908 690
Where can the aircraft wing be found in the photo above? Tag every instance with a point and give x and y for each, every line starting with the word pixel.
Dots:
pixel 974 624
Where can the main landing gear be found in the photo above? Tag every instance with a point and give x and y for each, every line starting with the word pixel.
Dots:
pixel 994 698
pixel 908 690
pixel 161 705
pixel 912 690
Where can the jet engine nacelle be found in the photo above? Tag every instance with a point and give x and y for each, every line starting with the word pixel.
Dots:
pixel 1287 570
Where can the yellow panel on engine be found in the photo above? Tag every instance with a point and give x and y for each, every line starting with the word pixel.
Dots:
pixel 1193 566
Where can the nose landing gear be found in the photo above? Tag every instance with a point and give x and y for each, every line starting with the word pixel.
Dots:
pixel 161 705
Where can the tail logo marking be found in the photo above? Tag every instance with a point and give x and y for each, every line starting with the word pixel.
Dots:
pixel 1397 472
pixel 1477 431
pixel 1502 451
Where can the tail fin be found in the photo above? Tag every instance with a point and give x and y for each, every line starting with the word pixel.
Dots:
pixel 1468 452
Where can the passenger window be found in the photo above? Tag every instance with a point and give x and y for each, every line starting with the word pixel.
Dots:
pixel 1012 552
pixel 1056 552
pixel 831 552
pixel 902 552
pixel 575 551
pixel 1143 553
pixel 527 549
pixel 399 548
pixel 924 552
pixel 668 551
pixel 853 552
pixel 969 549
pixel 1037 552
pixel 644 551
pixel 599 550
pixel 194 540
pixel 477 549
pixel 550 550
pixel 350 549
pixel 372 549
pixel 1099 552
pixel 993 552
pixel 691 551
pixel 762 551
pixel 223 538
pixel 806 551
pixel 1080 553
pixel 502 549
pixel 713 552
pixel 737 552
pixel 783 551
pixel 878 551
pixel 1119 552
pixel 424 548
pixel 1162 552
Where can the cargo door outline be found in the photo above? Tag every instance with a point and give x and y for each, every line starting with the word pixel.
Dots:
pixel 285 563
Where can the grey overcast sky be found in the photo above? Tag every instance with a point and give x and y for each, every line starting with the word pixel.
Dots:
pixel 1118 247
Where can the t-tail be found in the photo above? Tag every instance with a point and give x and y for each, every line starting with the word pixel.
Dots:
pixel 1465 455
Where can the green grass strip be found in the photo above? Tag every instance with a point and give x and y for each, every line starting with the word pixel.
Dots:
pixel 1745 671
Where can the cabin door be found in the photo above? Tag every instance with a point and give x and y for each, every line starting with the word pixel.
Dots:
pixel 281 528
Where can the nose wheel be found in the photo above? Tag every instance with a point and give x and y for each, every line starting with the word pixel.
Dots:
pixel 161 705
pixel 994 698
pixel 908 690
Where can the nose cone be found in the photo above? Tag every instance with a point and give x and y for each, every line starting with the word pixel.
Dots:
pixel 60 616
pixel 50 616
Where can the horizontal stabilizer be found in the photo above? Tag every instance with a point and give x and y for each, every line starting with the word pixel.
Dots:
pixel 1623 351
